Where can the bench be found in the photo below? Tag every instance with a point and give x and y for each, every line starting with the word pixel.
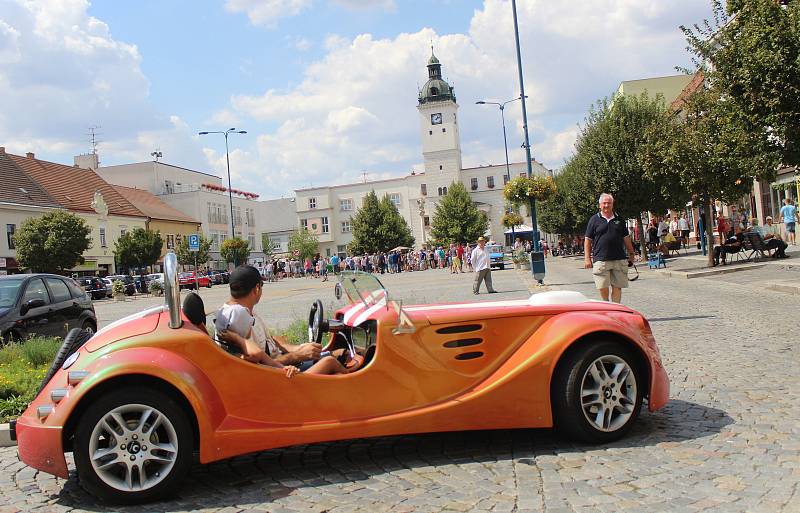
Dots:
pixel 755 245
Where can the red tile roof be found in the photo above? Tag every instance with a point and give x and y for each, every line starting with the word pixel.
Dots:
pixel 689 90
pixel 74 187
pixel 152 206
pixel 19 188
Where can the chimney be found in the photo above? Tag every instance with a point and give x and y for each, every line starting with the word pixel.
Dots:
pixel 88 161
pixel 2 150
pixel 30 155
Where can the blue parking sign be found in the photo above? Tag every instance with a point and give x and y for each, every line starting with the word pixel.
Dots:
pixel 194 242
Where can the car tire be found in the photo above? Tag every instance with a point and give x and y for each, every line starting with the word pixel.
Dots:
pixel 89 327
pixel 154 449
pixel 502 267
pixel 72 342
pixel 597 392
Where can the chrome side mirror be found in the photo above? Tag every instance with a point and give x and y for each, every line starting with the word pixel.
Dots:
pixel 172 291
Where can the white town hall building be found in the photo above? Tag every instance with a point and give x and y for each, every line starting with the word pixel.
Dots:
pixel 326 211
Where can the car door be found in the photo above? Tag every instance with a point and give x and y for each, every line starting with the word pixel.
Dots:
pixel 37 321
pixel 66 311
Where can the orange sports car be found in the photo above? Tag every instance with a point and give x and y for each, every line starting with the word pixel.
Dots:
pixel 135 401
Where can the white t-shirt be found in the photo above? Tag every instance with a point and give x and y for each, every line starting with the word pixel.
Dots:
pixel 236 318
pixel 263 338
pixel 683 224
pixel 480 258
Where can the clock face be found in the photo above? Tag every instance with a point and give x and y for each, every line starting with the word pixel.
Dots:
pixel 436 119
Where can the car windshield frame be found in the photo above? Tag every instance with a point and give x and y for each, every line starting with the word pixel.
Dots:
pixel 366 288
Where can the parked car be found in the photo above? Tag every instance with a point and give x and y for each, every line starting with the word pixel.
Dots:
pixel 496 256
pixel 218 278
pixel 553 360
pixel 159 277
pixel 93 286
pixel 109 286
pixel 187 281
pixel 43 304
pixel 127 281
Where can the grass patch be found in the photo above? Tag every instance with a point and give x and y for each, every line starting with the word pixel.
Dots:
pixel 296 332
pixel 22 368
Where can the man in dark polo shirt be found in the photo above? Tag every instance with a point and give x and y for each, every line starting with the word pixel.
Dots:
pixel 608 250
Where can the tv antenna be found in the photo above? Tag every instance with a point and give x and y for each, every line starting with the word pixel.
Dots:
pixel 93 138
pixel 364 175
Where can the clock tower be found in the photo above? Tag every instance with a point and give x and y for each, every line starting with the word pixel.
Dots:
pixel 441 147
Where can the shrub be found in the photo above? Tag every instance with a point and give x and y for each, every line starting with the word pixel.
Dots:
pixel 156 288
pixel 297 332
pixel 41 351
pixel 117 287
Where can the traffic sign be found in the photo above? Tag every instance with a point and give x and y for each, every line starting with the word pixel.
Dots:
pixel 194 242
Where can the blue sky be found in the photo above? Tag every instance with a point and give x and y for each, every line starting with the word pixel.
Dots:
pixel 325 88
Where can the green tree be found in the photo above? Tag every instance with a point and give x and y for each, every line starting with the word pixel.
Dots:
pixel 456 218
pixel 186 257
pixel 708 152
pixel 573 204
pixel 140 248
pixel 268 245
pixel 53 242
pixel 304 243
pixel 378 226
pixel 235 250
pixel 750 55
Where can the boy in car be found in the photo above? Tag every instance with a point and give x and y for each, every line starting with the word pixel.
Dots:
pixel 234 323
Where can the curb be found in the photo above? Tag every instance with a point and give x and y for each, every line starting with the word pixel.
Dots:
pixel 5 436
pixel 708 272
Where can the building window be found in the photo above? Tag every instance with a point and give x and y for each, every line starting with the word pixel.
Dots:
pixel 423 189
pixel 427 221
pixel 304 224
pixel 222 237
pixel 490 182
pixel 346 205
pixel 430 132
pixel 325 228
pixel 341 250
pixel 251 239
pixel 395 199
pixel 473 184
pixel 10 230
pixel 312 203
pixel 440 167
pixel 444 130
pixel 102 237
pixel 214 241
pixel 442 191
pixel 123 230
pixel 170 242
pixel 505 179
pixel 523 174
pixel 346 227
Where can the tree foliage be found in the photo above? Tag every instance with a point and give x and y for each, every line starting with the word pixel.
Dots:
pixel 750 55
pixel 457 218
pixel 139 248
pixel 378 226
pixel 304 243
pixel 235 250
pixel 186 257
pixel 569 209
pixel 53 242
pixel 268 245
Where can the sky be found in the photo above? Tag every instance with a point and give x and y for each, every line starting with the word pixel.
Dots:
pixel 326 89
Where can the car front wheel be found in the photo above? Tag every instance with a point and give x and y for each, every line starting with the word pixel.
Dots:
pixel 597 393
pixel 133 446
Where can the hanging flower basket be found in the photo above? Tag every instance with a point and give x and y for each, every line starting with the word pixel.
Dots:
pixel 511 219
pixel 519 190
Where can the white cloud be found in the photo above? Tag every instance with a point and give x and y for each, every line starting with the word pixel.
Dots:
pixel 267 12
pixel 367 4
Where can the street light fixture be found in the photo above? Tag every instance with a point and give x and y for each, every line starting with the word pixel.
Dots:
pixel 505 141
pixel 228 162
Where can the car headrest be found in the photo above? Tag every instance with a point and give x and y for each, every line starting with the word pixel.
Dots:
pixel 194 309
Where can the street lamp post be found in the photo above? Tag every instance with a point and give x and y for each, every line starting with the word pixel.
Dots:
pixel 228 162
pixel 527 145
pixel 505 140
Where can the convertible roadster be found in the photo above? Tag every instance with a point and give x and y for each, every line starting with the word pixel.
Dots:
pixel 136 400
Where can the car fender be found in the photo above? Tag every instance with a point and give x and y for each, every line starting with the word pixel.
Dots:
pixel 523 381
pixel 195 386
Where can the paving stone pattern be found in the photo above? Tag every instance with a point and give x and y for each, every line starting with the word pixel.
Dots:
pixel 728 441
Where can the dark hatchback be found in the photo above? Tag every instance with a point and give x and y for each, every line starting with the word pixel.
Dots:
pixel 43 304
pixel 93 286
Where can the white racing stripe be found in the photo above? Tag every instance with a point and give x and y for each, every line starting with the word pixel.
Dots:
pixel 353 310
pixel 485 304
pixel 367 313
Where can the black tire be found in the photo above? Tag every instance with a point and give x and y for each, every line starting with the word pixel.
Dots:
pixel 568 411
pixel 151 398
pixel 502 266
pixel 72 342
pixel 89 327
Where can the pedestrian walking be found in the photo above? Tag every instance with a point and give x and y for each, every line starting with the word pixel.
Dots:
pixel 481 265
pixel 605 246
pixel 789 217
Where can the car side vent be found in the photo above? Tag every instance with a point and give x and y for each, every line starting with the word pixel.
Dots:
pixel 469 356
pixel 462 328
pixel 464 342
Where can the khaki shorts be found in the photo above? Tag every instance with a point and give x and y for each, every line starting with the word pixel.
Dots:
pixel 610 273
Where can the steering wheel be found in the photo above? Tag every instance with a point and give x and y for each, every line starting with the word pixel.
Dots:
pixel 315 322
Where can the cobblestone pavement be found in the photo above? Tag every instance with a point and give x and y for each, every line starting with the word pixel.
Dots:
pixel 728 441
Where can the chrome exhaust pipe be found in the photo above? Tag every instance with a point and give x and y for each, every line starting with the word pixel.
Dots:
pixel 172 291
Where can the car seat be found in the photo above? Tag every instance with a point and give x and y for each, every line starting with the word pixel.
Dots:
pixel 194 309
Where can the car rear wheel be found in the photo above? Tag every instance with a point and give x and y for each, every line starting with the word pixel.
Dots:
pixel 133 446
pixel 597 393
